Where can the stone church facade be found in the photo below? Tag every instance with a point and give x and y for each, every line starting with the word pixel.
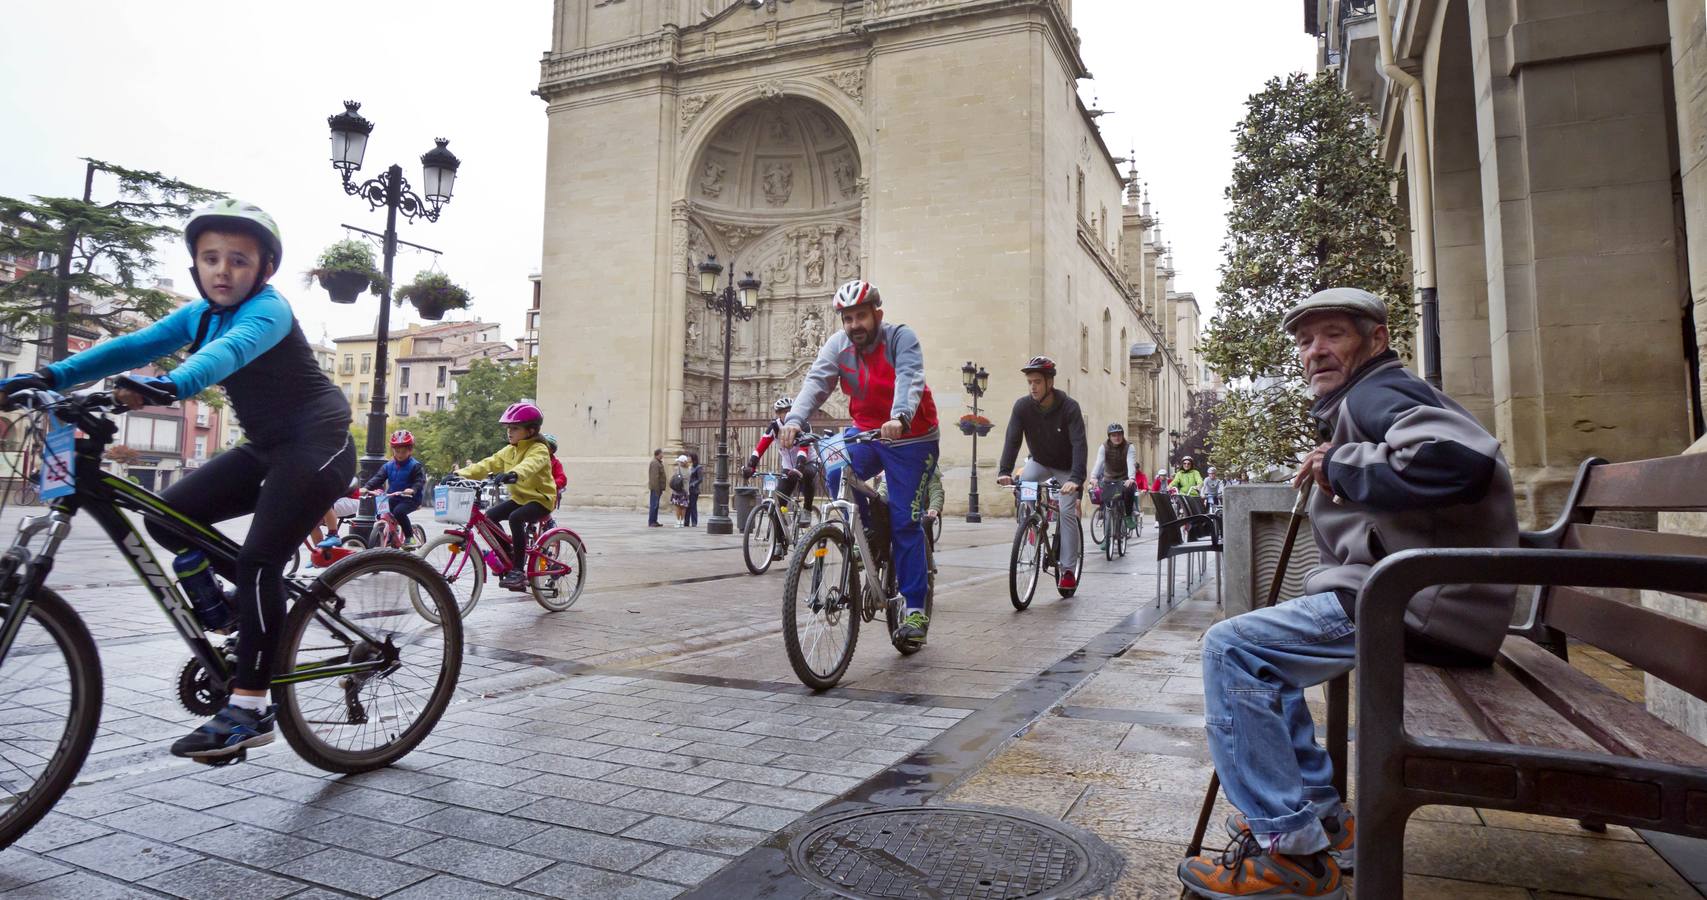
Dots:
pixel 937 148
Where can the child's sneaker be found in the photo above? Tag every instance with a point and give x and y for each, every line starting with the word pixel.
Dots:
pixel 1341 829
pixel 232 730
pixel 330 542
pixel 1244 869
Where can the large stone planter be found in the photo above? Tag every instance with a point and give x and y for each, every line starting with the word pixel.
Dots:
pixel 1254 519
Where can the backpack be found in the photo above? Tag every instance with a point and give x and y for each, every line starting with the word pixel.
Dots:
pixel 676 483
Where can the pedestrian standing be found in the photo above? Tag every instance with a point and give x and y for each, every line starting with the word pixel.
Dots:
pixel 696 476
pixel 655 485
pixel 679 490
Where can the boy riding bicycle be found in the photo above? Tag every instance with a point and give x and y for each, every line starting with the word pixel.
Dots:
pixel 881 368
pixel 405 477
pixel 299 457
pixel 533 492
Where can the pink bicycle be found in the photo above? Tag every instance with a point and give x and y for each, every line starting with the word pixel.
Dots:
pixel 386 531
pixel 556 563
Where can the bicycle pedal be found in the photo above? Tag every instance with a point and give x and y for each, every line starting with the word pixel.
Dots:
pixel 219 762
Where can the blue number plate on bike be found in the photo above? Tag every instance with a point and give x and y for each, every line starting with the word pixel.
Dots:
pixel 770 483
pixel 58 474
pixel 833 451
pixel 1028 492
pixel 381 504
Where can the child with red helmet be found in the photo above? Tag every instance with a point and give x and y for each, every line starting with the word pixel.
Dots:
pixel 532 490
pixel 403 476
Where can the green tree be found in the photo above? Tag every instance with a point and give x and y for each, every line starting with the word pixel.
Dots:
pixel 1311 207
pixel 104 250
pixel 1200 421
pixel 470 430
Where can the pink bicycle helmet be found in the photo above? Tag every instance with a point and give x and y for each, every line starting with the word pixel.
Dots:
pixel 522 414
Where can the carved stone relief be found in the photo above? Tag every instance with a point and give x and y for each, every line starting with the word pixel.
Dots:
pixel 847 262
pixel 852 83
pixel 778 182
pixel 692 105
pixel 815 260
pixel 847 178
pixel 809 336
pixel 736 236
pixel 711 178
pixel 779 131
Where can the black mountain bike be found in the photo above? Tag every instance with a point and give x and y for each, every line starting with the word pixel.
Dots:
pixel 362 679
pixel 841 574
pixel 1037 542
pixel 774 525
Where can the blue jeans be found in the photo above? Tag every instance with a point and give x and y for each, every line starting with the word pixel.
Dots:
pixel 907 469
pixel 652 508
pixel 401 507
pixel 693 508
pixel 1255 669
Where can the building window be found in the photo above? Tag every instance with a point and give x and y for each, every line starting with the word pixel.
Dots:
pixel 346 389
pixel 201 446
pixel 1125 367
pixel 403 376
pixel 349 364
pixel 441 402
pixel 1102 227
pixel 403 405
pixel 1084 349
pixel 201 415
pixel 1107 342
pixel 441 376
pixel 367 363
pixel 1081 201
pixel 362 392
pixel 5 368
pixel 156 435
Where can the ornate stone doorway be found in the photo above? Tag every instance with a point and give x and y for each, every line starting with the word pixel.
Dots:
pixel 777 190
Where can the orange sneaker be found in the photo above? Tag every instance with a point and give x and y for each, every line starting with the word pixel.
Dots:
pixel 1244 869
pixel 1341 829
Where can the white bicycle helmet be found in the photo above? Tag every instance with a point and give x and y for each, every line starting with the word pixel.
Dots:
pixel 856 293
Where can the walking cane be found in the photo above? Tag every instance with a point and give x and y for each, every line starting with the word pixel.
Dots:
pixel 1196 845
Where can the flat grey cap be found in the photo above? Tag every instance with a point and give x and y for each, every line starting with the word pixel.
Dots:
pixel 1351 301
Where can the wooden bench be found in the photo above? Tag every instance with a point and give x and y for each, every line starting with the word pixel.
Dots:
pixel 1532 733
pixel 1175 523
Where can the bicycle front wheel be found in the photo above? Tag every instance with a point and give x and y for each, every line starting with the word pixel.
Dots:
pixel 362 679
pixel 559 571
pixel 1099 526
pixel 820 607
pixel 50 707
pixel 761 539
pixel 451 556
pixel 1025 563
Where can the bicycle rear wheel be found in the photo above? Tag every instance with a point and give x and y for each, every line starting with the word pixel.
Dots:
pixel 1025 563
pixel 1099 526
pixel 339 710
pixel 464 571
pixel 560 571
pixel 820 607
pixel 50 707
pixel 892 614
pixel 761 538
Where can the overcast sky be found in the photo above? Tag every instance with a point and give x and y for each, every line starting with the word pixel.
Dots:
pixel 235 97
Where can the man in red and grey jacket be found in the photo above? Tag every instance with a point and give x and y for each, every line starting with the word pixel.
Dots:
pixel 881 368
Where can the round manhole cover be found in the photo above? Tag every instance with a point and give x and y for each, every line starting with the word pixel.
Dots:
pixel 951 851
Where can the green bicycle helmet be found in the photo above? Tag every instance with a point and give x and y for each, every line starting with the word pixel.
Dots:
pixel 235 215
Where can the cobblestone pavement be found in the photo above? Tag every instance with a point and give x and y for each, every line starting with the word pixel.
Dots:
pixel 627 748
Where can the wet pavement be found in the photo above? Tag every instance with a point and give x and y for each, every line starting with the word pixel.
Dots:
pixel 652 741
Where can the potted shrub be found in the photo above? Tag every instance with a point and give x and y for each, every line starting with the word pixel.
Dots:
pixel 971 424
pixel 433 293
pixel 345 269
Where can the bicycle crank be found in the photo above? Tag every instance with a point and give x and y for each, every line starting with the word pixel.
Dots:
pixel 197 691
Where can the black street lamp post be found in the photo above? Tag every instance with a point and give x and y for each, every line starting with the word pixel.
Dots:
pixel 733 304
pixel 391 190
pixel 976 381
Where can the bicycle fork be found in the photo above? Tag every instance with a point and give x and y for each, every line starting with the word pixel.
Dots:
pixel 21 575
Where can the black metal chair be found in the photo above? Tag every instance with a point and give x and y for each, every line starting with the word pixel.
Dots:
pixel 1175 527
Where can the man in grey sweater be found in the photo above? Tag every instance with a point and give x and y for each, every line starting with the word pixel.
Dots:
pixel 1402 466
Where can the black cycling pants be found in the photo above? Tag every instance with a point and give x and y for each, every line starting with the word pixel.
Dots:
pixel 519 515
pixel 803 476
pixel 288 487
pixel 401 507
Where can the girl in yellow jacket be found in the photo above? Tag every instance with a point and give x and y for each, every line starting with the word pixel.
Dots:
pixel 532 490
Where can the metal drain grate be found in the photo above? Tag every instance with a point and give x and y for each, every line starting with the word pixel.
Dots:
pixel 947 851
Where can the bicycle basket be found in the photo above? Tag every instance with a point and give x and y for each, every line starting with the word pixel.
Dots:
pixel 454 503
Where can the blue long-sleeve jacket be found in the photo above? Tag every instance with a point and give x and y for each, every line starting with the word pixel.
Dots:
pixel 255 350
pixel 400 476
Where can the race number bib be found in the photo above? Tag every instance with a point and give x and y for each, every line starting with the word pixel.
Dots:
pixel 58 473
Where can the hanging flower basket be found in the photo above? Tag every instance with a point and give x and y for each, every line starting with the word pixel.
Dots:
pixel 346 269
pixel 433 293
pixel 977 425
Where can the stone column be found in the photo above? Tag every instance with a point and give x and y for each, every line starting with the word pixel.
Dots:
pixel 676 306
pixel 1575 152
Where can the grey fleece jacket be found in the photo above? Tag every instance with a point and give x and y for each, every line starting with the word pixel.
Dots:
pixel 1413 469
